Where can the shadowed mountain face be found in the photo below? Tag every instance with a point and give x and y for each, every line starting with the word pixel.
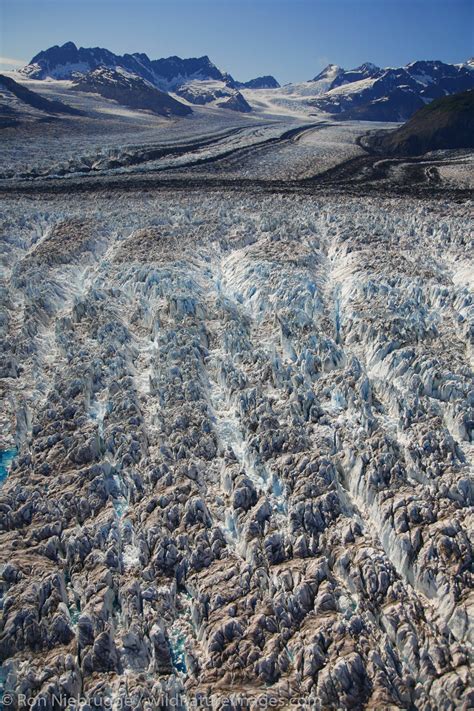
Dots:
pixel 446 123
pixel 15 100
pixel 130 90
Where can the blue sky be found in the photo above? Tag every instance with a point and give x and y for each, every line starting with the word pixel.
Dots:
pixel 292 39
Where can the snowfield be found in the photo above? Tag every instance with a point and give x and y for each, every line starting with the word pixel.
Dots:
pixel 237 402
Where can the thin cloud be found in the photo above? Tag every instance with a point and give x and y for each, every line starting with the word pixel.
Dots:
pixel 11 62
pixel 323 60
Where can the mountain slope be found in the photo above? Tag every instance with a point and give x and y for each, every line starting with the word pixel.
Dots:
pixel 130 90
pixel 32 98
pixel 445 123
pixel 18 103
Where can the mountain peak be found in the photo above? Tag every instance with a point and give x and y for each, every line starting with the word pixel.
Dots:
pixel 329 72
pixel 141 56
pixel 264 82
pixel 367 67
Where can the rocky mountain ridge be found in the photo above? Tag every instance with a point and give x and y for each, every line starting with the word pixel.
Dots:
pixel 265 82
pixel 62 62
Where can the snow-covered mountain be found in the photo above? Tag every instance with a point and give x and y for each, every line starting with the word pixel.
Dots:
pixel 213 93
pixel 167 73
pixel 197 80
pixel 366 92
pixel 63 62
pixel 393 94
pixel 130 90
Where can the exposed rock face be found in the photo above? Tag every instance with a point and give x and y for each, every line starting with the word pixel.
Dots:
pixel 236 102
pixel 244 432
pixel 176 70
pixel 130 90
pixel 265 82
